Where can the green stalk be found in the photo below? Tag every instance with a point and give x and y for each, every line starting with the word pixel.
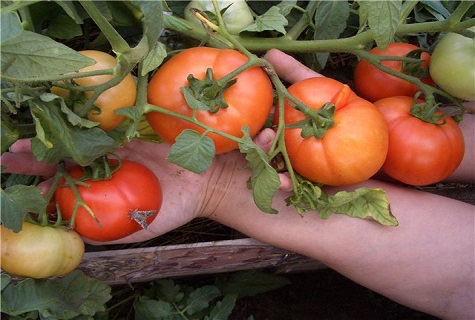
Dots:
pixel 119 45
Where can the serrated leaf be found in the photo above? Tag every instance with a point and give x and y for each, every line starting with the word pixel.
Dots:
pixel 148 309
pixel 16 202
pixel 152 19
pixel 154 58
pixel 192 151
pixel 265 180
pixel 383 19
pixel 223 309
pixel 330 21
pixel 64 141
pixel 63 298
pixel 271 20
pixel 250 283
pixel 168 290
pixel 10 26
pixel 72 117
pixel 200 298
pixel 362 203
pixel 31 55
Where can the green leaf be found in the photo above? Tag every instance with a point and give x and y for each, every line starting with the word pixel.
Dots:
pixel 250 283
pixel 58 140
pixel 148 309
pixel 70 9
pixel 167 289
pixel 17 201
pixel 154 58
pixel 63 298
pixel 383 19
pixel 200 298
pixel 222 309
pixel 64 27
pixel 152 20
pixel 362 203
pixel 330 21
pixel 271 20
pixel 264 179
pixel 5 280
pixel 56 101
pixel 192 151
pixel 285 7
pixel 33 56
pixel 11 26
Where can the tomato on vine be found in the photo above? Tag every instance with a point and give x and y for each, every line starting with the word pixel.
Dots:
pixel 237 14
pixel 122 205
pixel 353 145
pixel 119 96
pixel 244 101
pixel 453 65
pixel 40 251
pixel 374 84
pixel 420 152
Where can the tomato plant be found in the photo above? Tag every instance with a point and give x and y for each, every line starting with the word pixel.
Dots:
pixel 453 65
pixel 354 146
pixel 123 204
pixel 247 102
pixel 119 96
pixel 40 252
pixel 374 84
pixel 420 152
pixel 236 17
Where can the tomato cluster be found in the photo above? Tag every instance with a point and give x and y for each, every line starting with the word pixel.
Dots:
pixel 425 147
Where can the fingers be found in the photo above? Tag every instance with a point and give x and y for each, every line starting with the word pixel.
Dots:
pixel 25 163
pixel 289 68
pixel 264 139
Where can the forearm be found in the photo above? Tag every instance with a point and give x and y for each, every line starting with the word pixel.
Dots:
pixel 465 173
pixel 425 262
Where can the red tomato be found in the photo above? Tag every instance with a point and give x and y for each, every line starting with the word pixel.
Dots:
pixel 373 84
pixel 420 153
pixel 249 99
pixel 352 150
pixel 132 189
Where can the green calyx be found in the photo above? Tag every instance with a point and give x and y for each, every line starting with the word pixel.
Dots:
pixel 206 94
pixel 316 122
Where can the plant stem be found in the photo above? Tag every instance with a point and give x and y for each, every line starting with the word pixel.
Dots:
pixel 119 45
pixel 286 44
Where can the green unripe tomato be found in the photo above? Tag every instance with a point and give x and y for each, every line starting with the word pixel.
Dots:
pixel 236 17
pixel 40 252
pixel 452 66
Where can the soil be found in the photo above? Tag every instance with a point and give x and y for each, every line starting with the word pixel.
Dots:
pixel 323 295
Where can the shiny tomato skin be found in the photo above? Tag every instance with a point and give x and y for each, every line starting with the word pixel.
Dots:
pixel 420 153
pixel 373 84
pixel 249 99
pixel 40 252
pixel 352 150
pixel 133 187
pixel 119 96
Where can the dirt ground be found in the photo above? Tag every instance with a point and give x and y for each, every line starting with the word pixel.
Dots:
pixel 323 295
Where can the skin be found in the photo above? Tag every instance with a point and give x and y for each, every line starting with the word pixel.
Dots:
pixel 426 263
